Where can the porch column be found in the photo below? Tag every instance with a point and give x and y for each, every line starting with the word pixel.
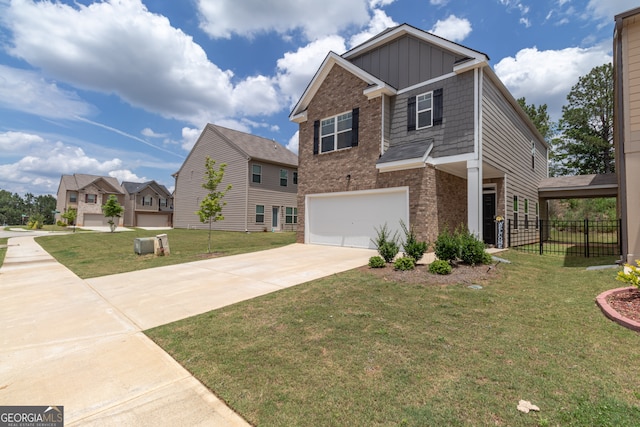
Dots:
pixel 474 198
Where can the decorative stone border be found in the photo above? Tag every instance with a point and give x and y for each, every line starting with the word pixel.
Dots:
pixel 608 311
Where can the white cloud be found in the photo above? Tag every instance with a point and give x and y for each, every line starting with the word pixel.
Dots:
pixel 438 2
pixel 28 92
pixel 40 169
pixel 380 3
pixel 316 19
pixel 296 69
pixel 525 22
pixel 546 77
pixel 126 175
pixel 149 133
pixel 607 10
pixel 379 22
pixel 256 96
pixel 293 143
pixel 189 137
pixel 18 142
pixel 119 47
pixel 452 28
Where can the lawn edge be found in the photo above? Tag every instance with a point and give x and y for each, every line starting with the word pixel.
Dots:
pixel 609 312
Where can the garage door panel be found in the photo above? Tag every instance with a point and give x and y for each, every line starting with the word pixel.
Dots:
pixel 351 218
pixel 152 220
pixel 95 220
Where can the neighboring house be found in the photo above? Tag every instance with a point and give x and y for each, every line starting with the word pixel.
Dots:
pixel 410 126
pixel 626 137
pixel 87 194
pixel 147 204
pixel 263 175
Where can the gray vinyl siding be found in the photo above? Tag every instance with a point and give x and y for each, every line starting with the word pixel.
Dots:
pixel 507 146
pixel 189 191
pixel 271 178
pixel 455 135
pixel 406 61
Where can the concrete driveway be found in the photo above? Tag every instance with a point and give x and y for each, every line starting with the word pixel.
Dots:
pixel 78 343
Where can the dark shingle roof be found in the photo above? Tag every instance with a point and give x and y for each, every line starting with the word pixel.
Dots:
pixel 405 151
pixel 134 187
pixel 78 181
pixel 258 147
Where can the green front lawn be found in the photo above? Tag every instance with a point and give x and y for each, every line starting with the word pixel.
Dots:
pixel 99 254
pixel 355 350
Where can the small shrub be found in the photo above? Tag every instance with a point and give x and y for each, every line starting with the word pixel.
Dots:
pixel 376 262
pixel 632 277
pixel 36 222
pixel 61 223
pixel 404 263
pixel 440 266
pixel 447 246
pixel 387 246
pixel 411 246
pixel 472 250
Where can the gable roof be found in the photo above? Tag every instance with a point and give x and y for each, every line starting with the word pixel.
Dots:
pixel 80 181
pixel 473 58
pixel 136 187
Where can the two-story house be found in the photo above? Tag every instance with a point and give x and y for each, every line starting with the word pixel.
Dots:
pixel 411 127
pixel 263 175
pixel 626 137
pixel 147 204
pixel 87 194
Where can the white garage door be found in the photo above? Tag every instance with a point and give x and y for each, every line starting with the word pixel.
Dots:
pixel 150 220
pixel 351 218
pixel 95 220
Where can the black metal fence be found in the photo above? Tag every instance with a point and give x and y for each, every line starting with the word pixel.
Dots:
pixel 585 238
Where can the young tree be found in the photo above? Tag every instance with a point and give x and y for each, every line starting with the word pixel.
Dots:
pixel 586 142
pixel 211 206
pixel 70 216
pixel 112 209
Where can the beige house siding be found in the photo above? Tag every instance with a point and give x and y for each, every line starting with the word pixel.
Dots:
pixel 189 192
pixel 627 128
pixel 507 146
pixel 239 211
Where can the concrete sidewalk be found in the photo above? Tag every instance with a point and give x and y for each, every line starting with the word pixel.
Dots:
pixel 78 344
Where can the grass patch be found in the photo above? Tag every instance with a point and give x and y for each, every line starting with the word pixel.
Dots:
pixel 3 249
pixel 353 349
pixel 99 254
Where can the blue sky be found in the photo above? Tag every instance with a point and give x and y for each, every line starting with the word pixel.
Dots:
pixel 124 87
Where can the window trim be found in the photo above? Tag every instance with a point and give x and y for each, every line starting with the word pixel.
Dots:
pixel 515 212
pixel 418 110
pixel 295 178
pixel 95 198
pixel 284 181
pixel 259 214
pixel 254 174
pixel 291 215
pixel 336 132
pixel 73 197
pixel 144 200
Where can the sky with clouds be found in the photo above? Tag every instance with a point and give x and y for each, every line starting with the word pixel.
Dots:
pixel 124 87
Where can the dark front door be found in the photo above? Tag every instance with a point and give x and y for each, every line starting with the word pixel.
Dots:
pixel 488 218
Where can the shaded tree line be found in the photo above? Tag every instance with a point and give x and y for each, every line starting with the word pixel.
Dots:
pixel 15 210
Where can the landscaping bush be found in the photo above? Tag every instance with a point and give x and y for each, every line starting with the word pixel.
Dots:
pixel 447 246
pixel 376 262
pixel 440 266
pixel 411 246
pixel 632 277
pixel 36 222
pixel 61 223
pixel 472 250
pixel 387 246
pixel 404 263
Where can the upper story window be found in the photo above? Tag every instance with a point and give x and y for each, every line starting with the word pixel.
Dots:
pixel 163 202
pixel 284 177
pixel 295 177
pixel 73 197
pixel 424 110
pixel 256 174
pixel 91 198
pixel 336 133
pixel 147 201
pixel 515 212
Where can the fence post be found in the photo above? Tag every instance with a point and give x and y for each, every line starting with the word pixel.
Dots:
pixel 586 238
pixel 540 224
pixel 509 233
pixel 620 239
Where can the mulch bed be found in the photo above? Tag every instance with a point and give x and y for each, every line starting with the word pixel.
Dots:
pixel 460 274
pixel 626 303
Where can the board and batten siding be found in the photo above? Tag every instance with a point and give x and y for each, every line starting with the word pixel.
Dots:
pixel 507 143
pixel 269 193
pixel 406 61
pixel 189 191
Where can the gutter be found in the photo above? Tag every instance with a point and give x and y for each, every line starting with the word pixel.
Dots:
pixel 619 131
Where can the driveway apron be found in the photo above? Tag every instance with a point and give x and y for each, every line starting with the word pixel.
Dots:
pixel 78 343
